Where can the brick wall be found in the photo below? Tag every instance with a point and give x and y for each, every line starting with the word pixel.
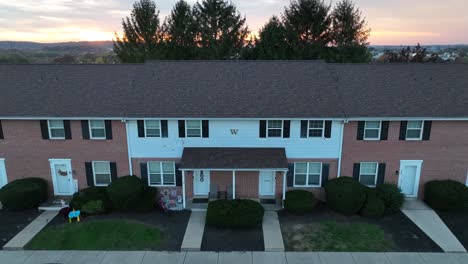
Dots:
pixel 445 155
pixel 27 154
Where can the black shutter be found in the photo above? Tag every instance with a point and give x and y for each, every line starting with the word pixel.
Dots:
pixel 144 172
pixel 141 128
pixel 263 128
pixel 1 131
pixel 67 128
pixel 427 130
pixel 328 125
pixel 44 129
pixel 181 128
pixel 286 128
pixel 178 174
pixel 205 128
pixel 381 174
pixel 403 126
pixel 356 168
pixel 85 129
pixel 108 125
pixel 290 175
pixel 304 128
pixel 89 173
pixel 325 173
pixel 164 130
pixel 360 130
pixel 113 170
pixel 384 131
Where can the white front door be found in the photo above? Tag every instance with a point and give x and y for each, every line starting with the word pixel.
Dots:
pixel 267 183
pixel 62 179
pixel 410 171
pixel 3 176
pixel 201 182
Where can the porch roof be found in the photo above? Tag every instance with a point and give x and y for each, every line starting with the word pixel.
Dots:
pixel 234 158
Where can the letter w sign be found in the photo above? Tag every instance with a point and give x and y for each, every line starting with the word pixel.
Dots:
pixel 234 131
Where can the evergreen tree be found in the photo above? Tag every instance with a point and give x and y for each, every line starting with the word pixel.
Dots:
pixel 180 32
pixel 349 28
pixel 272 42
pixel 222 31
pixel 141 34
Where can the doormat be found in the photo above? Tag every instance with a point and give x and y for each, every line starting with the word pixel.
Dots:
pixel 200 200
pixel 268 201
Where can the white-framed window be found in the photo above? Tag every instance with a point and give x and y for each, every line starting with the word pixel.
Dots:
pixel 161 173
pixel 307 174
pixel 372 130
pixel 414 130
pixel 275 128
pixel 368 173
pixel 102 173
pixel 193 128
pixel 316 128
pixel 153 128
pixel 56 129
pixel 97 129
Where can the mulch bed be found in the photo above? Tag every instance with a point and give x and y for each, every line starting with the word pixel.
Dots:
pixel 11 223
pixel 171 224
pixel 220 239
pixel 457 223
pixel 400 230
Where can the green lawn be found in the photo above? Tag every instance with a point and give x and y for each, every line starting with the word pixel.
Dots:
pixel 98 235
pixel 333 236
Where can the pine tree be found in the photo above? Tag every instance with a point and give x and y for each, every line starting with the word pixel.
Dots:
pixel 272 40
pixel 348 26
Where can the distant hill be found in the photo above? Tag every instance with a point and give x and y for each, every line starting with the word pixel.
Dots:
pixel 81 45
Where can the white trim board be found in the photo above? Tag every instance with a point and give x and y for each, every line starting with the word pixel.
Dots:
pixel 344 119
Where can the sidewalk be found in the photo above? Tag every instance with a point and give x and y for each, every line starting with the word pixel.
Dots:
pixel 194 232
pixel 148 257
pixel 272 236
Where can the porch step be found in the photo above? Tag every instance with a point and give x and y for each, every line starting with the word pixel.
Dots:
pixel 56 204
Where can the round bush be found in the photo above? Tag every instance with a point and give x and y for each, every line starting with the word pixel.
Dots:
pixel 374 206
pixel 126 192
pixel 147 201
pixel 446 195
pixel 299 202
pixel 24 194
pixel 91 194
pixel 240 213
pixel 93 207
pixel 345 195
pixel 391 196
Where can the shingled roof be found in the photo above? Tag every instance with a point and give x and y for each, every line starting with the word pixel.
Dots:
pixel 234 89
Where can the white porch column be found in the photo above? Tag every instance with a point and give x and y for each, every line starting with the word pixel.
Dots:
pixel 284 187
pixel 183 188
pixel 233 184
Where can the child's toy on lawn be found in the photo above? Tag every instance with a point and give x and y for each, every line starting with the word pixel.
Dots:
pixel 74 214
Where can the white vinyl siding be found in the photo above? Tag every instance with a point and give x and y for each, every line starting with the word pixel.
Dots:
pixel 414 130
pixel 161 173
pixel 316 128
pixel 101 173
pixel 368 173
pixel 275 128
pixel 152 128
pixel 307 174
pixel 372 130
pixel 193 128
pixel 97 129
pixel 56 129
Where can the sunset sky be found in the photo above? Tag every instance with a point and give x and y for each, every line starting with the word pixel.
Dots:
pixel 393 22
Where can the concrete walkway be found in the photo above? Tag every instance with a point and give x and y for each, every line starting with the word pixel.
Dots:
pixel 150 257
pixel 194 232
pixel 24 236
pixel 431 224
pixel 272 236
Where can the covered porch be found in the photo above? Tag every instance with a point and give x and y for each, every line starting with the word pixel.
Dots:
pixel 233 173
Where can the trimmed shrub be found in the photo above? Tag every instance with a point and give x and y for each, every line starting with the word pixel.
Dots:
pixel 391 196
pixel 126 192
pixel 446 195
pixel 239 213
pixel 91 194
pixel 147 201
pixel 374 206
pixel 299 201
pixel 24 194
pixel 93 207
pixel 345 195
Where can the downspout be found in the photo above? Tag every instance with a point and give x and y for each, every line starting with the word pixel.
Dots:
pixel 129 147
pixel 341 147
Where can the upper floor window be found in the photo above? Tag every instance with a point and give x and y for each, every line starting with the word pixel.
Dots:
pixel 161 173
pixel 414 130
pixel 152 128
pixel 56 129
pixel 97 129
pixel 193 128
pixel 372 130
pixel 275 128
pixel 307 174
pixel 101 173
pixel 368 173
pixel 316 128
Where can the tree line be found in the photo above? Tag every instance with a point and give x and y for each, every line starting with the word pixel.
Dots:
pixel 215 29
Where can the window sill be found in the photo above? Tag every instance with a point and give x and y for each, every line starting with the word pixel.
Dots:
pixel 307 186
pixel 154 185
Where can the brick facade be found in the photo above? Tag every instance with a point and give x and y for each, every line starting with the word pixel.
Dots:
pixel 27 154
pixel 445 155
